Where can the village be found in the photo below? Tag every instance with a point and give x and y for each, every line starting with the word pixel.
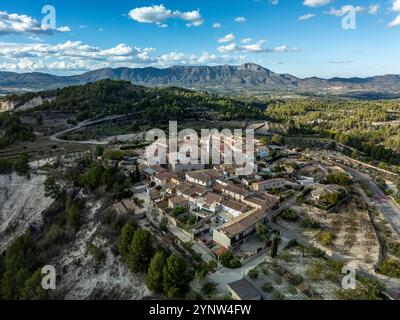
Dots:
pixel 232 220
pixel 283 230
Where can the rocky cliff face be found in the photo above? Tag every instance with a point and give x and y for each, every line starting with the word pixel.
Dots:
pixel 82 279
pixel 7 106
pixel 22 201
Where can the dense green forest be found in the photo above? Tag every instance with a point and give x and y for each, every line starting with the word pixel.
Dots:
pixel 371 127
pixel 106 97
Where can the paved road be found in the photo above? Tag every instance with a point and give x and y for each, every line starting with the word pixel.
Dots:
pixel 386 205
pixel 83 124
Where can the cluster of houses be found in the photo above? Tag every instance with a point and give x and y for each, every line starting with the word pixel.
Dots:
pixel 227 207
pixel 219 205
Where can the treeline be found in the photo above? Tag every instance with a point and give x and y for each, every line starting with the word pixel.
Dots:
pixel 166 273
pixel 108 97
pixel 363 125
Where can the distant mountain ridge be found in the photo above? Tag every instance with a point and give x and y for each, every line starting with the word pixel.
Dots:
pixel 247 77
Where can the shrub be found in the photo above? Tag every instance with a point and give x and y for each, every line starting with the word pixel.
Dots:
pixel 339 178
pixel 390 267
pixel 308 222
pixel 325 238
pixel 212 265
pixel 152 184
pixel 365 290
pixel 235 264
pixel 394 248
pixel 267 287
pixel 209 288
pixel 290 215
pixel 276 295
pixel 228 260
pixel 317 253
pixel 253 274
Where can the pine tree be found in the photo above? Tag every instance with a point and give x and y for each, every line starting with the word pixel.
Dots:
pixel 137 173
pixel 174 276
pixel 125 239
pixel 275 242
pixel 140 251
pixel 154 279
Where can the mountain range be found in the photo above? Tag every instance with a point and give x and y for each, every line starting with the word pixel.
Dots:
pixel 246 78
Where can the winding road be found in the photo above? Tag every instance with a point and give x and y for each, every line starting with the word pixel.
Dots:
pixel 84 124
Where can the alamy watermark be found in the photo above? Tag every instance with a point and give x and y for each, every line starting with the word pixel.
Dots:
pixel 349 281
pixel 49 21
pixel 49 280
pixel 349 19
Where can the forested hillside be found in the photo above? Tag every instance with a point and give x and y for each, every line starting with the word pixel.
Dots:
pixel 106 97
pixel 371 127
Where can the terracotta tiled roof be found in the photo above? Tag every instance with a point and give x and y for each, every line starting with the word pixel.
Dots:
pixel 237 206
pixel 235 189
pixel 204 175
pixel 213 198
pixel 243 222
pixel 177 200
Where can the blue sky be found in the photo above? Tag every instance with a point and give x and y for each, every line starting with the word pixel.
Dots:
pixel 301 37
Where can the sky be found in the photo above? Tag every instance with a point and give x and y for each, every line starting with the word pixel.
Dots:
pixel 324 38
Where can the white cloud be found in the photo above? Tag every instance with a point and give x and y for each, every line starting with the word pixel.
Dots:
pixel 373 9
pixel 13 23
pixel 216 25
pixel 316 3
pixel 285 49
pixel 254 48
pixel 228 48
pixel 396 8
pixel 158 14
pixel 339 61
pixel 155 14
pixel 307 16
pixel 240 20
pixel 193 17
pixel 64 29
pixel 395 22
pixel 396 5
pixel 246 40
pixel 344 10
pixel 228 38
pixel 75 56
